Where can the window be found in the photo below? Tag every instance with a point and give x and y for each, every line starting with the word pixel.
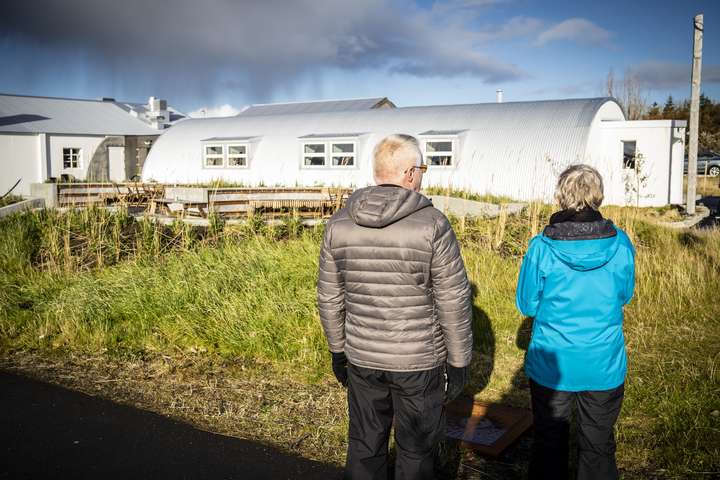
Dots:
pixel 629 154
pixel 314 154
pixel 343 154
pixel 237 156
pixel 226 152
pixel 439 153
pixel 214 156
pixel 329 153
pixel 71 158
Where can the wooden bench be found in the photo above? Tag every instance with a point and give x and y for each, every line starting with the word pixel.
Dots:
pixel 185 206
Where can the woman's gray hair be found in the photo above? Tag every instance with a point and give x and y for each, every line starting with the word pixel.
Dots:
pixel 579 187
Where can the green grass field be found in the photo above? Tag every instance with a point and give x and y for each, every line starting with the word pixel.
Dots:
pixel 95 285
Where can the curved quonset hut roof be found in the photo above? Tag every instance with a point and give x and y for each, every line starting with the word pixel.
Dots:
pixel 501 148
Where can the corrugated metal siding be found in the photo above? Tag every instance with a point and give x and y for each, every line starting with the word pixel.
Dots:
pixel 22 114
pixel 514 149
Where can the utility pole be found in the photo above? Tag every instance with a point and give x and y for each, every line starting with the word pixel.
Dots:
pixel 694 114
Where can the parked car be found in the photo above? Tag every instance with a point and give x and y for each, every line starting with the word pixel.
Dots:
pixel 708 163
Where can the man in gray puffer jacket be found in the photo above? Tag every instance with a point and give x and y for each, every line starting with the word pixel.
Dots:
pixel 396 308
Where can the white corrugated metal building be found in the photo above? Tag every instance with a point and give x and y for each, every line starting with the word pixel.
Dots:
pixel 45 137
pixel 513 149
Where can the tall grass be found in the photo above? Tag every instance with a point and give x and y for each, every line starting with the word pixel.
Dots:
pixel 93 281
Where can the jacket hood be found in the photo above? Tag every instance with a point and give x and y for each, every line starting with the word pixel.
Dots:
pixel 583 255
pixel 583 230
pixel 380 206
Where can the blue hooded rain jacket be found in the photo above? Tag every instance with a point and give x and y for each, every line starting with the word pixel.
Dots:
pixel 575 290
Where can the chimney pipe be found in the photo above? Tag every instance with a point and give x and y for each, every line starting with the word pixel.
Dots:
pixel 499 94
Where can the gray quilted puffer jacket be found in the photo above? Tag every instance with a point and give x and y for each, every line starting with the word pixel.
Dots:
pixel 392 290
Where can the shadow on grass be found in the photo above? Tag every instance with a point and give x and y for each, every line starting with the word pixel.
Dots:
pixel 513 463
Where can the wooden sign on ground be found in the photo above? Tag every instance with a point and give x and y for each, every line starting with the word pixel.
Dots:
pixel 486 428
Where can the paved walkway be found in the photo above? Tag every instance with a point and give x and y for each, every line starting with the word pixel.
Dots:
pixel 461 207
pixel 52 432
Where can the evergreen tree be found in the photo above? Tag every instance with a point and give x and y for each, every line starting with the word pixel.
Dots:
pixel 669 108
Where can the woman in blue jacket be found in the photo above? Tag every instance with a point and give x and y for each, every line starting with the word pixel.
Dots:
pixel 574 281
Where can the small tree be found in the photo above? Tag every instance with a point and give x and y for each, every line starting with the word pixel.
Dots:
pixel 653 112
pixel 635 180
pixel 630 94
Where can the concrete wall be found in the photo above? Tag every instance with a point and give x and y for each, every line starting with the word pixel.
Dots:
pixel 137 149
pixel 19 159
pixel 677 195
pixel 99 168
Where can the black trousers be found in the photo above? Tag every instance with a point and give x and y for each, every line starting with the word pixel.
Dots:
pixel 415 400
pixel 597 412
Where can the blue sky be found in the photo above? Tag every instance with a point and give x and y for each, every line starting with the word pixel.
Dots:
pixel 222 52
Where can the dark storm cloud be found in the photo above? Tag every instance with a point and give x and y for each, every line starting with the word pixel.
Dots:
pixel 659 75
pixel 256 46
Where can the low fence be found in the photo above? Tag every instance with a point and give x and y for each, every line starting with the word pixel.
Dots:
pixel 199 201
pixel 83 194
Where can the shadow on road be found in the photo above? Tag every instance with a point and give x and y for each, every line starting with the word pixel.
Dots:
pixel 713 220
pixel 51 432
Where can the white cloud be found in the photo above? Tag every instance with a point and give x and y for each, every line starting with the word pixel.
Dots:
pixel 578 30
pixel 225 110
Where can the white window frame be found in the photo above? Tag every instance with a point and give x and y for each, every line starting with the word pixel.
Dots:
pixel 328 154
pixel 245 155
pixel 206 156
pixel 323 155
pixel 451 153
pixel 353 154
pixel 77 156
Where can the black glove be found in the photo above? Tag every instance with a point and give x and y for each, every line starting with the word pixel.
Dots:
pixel 457 379
pixel 339 367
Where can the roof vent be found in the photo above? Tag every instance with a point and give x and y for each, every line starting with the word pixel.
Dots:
pixel 499 94
pixel 107 99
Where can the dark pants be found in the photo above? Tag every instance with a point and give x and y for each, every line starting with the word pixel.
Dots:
pixel 416 402
pixel 597 412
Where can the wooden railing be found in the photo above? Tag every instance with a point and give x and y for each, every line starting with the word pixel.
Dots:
pixel 227 201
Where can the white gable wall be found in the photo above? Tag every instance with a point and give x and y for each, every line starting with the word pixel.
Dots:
pixel 660 143
pixel 19 160
pixel 87 145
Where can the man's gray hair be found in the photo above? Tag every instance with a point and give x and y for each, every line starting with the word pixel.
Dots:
pixel 393 153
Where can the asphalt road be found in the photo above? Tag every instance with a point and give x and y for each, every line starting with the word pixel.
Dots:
pixel 50 432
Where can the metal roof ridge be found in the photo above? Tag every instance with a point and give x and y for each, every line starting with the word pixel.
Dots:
pixel 315 101
pixel 585 99
pixel 54 98
pixel 70 99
